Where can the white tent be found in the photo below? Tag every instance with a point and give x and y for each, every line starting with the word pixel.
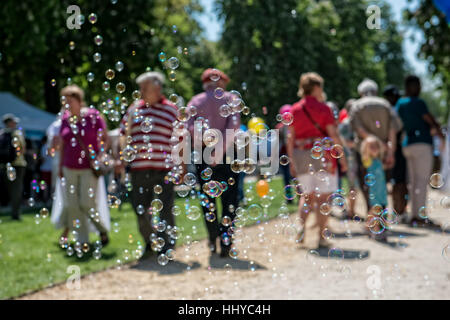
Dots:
pixel 33 120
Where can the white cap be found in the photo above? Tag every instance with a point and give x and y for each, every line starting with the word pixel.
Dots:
pixel 153 76
pixel 367 87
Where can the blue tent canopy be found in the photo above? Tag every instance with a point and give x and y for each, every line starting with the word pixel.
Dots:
pixel 444 6
pixel 33 121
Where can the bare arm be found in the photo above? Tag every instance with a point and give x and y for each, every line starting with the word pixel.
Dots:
pixel 428 118
pixel 333 133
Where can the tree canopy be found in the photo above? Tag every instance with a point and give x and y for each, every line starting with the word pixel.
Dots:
pixel 436 45
pixel 40 55
pixel 272 42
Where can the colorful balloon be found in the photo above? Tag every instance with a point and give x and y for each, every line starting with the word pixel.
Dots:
pixel 256 124
pixel 262 188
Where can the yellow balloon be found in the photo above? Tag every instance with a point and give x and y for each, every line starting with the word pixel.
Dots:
pixel 256 124
pixel 262 188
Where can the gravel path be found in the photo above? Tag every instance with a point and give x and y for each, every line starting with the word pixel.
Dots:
pixel 410 266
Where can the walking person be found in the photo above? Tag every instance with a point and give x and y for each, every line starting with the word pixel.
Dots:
pixel 83 137
pixel 397 175
pixel 285 171
pixel 45 169
pixel 208 105
pixel 316 171
pixel 372 150
pixel 146 131
pixel 348 137
pixel 372 115
pixel 418 148
pixel 13 163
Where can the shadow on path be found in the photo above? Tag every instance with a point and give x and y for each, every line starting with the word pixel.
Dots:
pixel 345 254
pixel 173 267
pixel 217 262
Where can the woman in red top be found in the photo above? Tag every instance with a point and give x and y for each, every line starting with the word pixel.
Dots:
pixel 313 147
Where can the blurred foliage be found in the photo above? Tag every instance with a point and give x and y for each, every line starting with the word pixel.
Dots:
pixel 273 42
pixel 436 46
pixel 37 49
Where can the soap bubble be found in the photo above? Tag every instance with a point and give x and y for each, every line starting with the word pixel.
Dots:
pixel 219 93
pixel 173 63
pixel 97 57
pixel 436 180
pixel 98 40
pixel 110 74
pixel 119 66
pixel 120 87
pixel 92 18
pixel 369 180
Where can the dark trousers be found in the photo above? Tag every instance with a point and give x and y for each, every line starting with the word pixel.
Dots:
pixel 241 186
pixel 397 176
pixel 221 172
pixel 15 190
pixel 142 194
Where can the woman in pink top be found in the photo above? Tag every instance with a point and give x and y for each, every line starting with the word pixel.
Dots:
pixel 83 136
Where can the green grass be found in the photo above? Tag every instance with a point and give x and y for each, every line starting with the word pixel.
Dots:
pixel 31 259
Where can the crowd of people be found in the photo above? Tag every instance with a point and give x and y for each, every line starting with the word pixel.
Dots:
pixel 371 142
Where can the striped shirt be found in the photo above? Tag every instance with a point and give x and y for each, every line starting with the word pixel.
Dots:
pixel 151 130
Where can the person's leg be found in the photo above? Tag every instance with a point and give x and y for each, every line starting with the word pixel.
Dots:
pixel 16 191
pixel 74 219
pixel 211 226
pixel 326 187
pixel 423 163
pixel 286 179
pixel 88 195
pixel 229 199
pixel 142 195
pixel 167 198
pixel 399 193
pixel 240 184
pixel 322 220
pixel 361 176
pixel 306 203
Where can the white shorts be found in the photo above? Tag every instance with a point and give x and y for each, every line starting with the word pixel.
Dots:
pixel 323 182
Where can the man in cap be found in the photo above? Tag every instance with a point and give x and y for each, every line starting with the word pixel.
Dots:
pixel 398 174
pixel 207 105
pixel 372 115
pixel 146 132
pixel 13 173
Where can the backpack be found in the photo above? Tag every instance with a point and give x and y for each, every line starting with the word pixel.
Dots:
pixel 7 151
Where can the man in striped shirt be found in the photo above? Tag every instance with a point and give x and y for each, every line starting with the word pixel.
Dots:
pixel 147 130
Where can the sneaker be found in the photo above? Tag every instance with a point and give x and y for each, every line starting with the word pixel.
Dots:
pixel 212 247
pixel 225 252
pixel 104 239
pixel 301 236
pixel 324 243
pixel 424 223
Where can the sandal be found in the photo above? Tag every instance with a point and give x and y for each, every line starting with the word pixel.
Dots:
pixel 301 237
pixel 324 243
pixel 104 239
pixel 424 223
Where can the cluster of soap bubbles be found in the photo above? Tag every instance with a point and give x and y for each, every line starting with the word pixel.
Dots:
pixel 326 145
pixel 73 247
